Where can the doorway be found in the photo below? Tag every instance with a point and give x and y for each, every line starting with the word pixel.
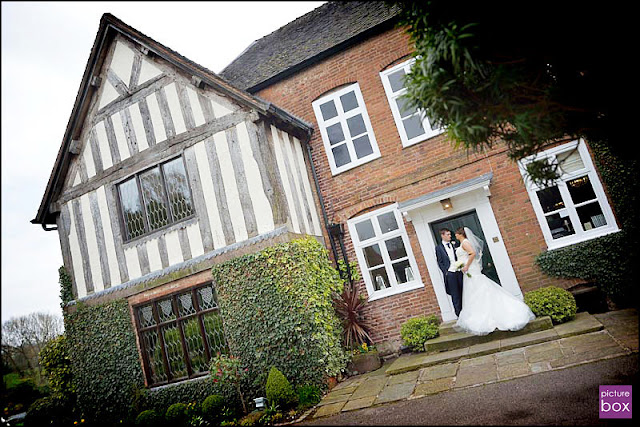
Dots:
pixel 470 220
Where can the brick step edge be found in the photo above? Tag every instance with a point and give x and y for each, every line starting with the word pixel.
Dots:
pixel 453 341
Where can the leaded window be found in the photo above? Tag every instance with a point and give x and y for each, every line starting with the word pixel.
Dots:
pixel 179 334
pixel 155 198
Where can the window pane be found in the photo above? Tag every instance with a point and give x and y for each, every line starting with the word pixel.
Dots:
pixel 373 256
pixel 403 107
pixel 356 125
pixel 349 101
pixel 396 80
pixel 560 227
pixel 154 198
pixel 335 133
pixel 214 333
pixel 195 345
pixel 165 310
pixel 328 110
pixel 207 298
pixel 341 155
pixel 403 271
pixel 175 354
pixel 570 161
pixel 413 126
pixel 145 316
pixel 178 189
pixel 365 230
pixel 550 199
pixel 387 222
pixel 153 352
pixel 362 146
pixel 591 216
pixel 131 208
pixel 185 304
pixel 380 279
pixel 395 248
pixel 581 190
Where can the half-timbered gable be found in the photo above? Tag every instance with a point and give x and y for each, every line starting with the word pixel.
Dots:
pixel 165 166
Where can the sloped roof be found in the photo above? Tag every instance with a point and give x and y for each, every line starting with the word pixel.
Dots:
pixel 109 27
pixel 308 39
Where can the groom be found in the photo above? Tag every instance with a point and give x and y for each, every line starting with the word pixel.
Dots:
pixel 446 255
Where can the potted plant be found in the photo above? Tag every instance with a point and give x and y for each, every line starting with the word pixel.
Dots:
pixel 365 359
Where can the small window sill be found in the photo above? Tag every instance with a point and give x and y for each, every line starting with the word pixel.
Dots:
pixel 354 165
pixel 418 141
pixel 412 286
pixel 183 223
pixel 569 242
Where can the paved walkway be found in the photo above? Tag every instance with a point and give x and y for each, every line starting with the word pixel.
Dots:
pixel 586 339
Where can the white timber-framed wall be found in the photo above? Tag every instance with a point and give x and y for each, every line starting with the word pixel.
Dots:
pixel 246 175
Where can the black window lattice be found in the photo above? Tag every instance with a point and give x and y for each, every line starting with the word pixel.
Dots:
pixel 179 334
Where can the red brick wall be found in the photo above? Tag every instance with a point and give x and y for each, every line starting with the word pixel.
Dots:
pixel 404 173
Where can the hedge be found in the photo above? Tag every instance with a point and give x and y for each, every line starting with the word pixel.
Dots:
pixel 277 311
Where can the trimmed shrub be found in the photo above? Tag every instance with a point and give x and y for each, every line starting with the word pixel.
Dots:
pixel 308 395
pixel 176 414
pixel 279 390
pixel 56 363
pixel 417 330
pixel 148 418
pixel 277 310
pixel 552 301
pixel 212 408
pixel 50 410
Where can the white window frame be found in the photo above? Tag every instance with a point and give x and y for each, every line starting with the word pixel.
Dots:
pixel 379 238
pixel 589 169
pixel 391 97
pixel 342 118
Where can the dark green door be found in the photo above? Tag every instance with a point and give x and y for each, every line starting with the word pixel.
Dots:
pixel 469 219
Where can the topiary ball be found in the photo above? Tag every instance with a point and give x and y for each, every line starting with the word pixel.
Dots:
pixel 279 390
pixel 176 414
pixel 552 301
pixel 417 330
pixel 212 407
pixel 148 418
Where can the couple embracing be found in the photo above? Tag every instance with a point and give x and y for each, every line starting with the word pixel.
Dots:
pixel 481 304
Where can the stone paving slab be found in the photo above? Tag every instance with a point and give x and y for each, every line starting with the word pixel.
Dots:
pixel 363 402
pixel 513 370
pixel 371 387
pixel 582 324
pixel 432 387
pixel 438 371
pixel 411 376
pixel 331 398
pixel 327 410
pixel 394 392
pixel 479 374
pixel 529 339
pixel 545 351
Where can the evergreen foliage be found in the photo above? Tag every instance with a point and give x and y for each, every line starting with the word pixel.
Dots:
pixel 552 301
pixel 417 330
pixel 278 389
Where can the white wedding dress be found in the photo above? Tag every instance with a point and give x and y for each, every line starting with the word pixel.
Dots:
pixel 487 306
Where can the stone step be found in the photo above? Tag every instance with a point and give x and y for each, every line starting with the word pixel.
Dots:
pixel 582 324
pixel 452 340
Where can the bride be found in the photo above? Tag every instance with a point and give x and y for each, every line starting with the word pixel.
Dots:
pixel 486 306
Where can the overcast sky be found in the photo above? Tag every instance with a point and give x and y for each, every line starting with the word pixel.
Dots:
pixel 45 48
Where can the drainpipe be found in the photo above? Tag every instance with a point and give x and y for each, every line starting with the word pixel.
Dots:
pixel 332 229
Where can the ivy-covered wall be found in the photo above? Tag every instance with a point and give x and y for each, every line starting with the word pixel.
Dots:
pixel 277 311
pixel 104 359
pixel 607 261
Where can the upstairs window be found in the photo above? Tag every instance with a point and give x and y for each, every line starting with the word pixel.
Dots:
pixel 412 126
pixel 179 334
pixel 384 253
pixel 155 198
pixel 575 208
pixel 345 128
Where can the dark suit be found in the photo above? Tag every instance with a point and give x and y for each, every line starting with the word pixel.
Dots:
pixel 452 280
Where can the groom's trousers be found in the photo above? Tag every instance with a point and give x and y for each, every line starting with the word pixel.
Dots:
pixel 454 288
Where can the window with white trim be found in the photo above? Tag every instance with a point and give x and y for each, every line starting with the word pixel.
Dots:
pixel 576 207
pixel 413 126
pixel 384 253
pixel 345 128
